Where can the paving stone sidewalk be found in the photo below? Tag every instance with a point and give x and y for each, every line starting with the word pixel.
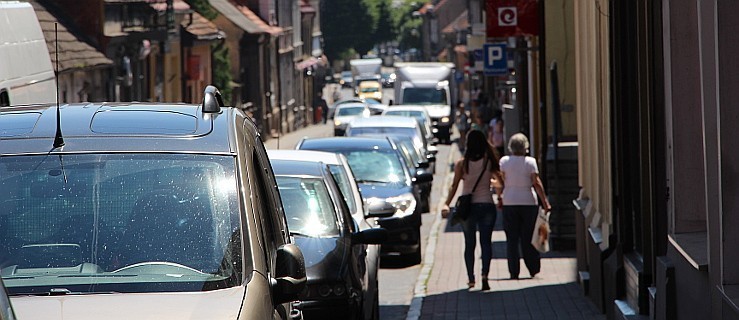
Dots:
pixel 552 294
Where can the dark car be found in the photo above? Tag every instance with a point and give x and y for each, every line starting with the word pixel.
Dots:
pixel 387 79
pixel 149 210
pixel 334 247
pixel 391 190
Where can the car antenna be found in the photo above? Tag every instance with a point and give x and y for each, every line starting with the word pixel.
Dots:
pixel 58 138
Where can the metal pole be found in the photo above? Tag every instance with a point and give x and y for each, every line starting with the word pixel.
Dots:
pixel 543 91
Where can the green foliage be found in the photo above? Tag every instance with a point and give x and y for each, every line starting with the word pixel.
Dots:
pixel 355 24
pixel 222 70
pixel 407 27
pixel 203 8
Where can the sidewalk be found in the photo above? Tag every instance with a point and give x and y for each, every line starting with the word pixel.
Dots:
pixel 553 294
pixel 290 139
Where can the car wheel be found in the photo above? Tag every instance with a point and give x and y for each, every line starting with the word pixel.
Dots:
pixel 426 205
pixel 415 257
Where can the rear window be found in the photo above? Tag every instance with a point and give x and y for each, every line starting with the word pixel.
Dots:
pixel 119 223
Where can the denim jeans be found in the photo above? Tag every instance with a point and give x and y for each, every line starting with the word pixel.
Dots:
pixel 481 218
pixel 518 223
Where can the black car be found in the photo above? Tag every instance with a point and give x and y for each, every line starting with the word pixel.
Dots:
pixel 153 210
pixel 391 190
pixel 334 248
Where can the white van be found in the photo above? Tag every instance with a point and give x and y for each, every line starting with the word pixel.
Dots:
pixel 26 74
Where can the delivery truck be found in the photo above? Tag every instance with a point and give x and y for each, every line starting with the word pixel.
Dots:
pixel 365 70
pixel 26 73
pixel 428 84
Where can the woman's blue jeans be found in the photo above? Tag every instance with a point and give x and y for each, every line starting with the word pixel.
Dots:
pixel 481 218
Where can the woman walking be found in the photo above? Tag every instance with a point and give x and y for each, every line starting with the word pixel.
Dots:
pixel 520 184
pixel 477 168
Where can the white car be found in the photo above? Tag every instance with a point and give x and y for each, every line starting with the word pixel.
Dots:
pixel 418 112
pixel 347 112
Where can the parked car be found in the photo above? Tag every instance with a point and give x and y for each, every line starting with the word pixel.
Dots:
pixel 420 114
pixel 346 112
pixel 6 309
pixel 390 125
pixel 347 79
pixel 340 284
pixel 142 211
pixel 387 79
pixel 391 190
pixel 370 89
pixel 376 107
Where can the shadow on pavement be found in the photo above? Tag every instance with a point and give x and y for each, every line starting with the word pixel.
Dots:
pixel 399 262
pixel 562 301
pixel 393 312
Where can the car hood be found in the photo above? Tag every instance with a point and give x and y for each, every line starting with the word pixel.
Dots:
pixel 216 304
pixel 438 111
pixel 383 190
pixel 325 258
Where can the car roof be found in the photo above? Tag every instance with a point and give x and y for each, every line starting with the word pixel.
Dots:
pixel 347 143
pixel 297 168
pixel 406 108
pixel 385 121
pixel 351 105
pixel 117 127
pixel 304 155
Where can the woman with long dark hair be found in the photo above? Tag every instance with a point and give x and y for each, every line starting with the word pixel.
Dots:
pixel 477 168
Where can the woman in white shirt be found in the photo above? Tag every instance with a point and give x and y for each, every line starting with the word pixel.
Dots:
pixel 520 185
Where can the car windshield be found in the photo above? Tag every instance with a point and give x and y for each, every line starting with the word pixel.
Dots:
pixel 407 113
pixel 369 89
pixel 119 223
pixel 375 166
pixel 423 96
pixel 342 178
pixel 350 111
pixel 359 131
pixel 308 206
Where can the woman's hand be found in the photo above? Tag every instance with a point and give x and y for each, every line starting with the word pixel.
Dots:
pixel 499 204
pixel 445 211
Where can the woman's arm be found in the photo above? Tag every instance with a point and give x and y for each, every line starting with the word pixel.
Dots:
pixel 458 173
pixel 539 187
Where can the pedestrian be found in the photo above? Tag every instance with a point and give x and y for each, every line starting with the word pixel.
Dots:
pixel 476 122
pixel 496 135
pixel 477 168
pixel 520 184
pixel 321 103
pixel 463 124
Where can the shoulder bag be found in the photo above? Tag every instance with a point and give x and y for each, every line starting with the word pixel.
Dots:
pixel 464 202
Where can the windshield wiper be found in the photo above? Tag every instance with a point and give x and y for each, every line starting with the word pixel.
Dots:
pixel 59 292
pixel 370 181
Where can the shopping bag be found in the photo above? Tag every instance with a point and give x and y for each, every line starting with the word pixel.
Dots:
pixel 540 236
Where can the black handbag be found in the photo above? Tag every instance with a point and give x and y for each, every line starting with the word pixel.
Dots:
pixel 464 202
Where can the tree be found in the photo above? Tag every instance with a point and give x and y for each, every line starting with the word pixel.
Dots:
pixel 346 24
pixel 385 30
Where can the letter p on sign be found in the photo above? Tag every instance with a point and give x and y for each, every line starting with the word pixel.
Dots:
pixel 495 61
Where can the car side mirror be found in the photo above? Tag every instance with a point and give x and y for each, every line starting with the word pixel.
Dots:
pixel 290 275
pixel 370 236
pixel 380 209
pixel 422 165
pixel 423 178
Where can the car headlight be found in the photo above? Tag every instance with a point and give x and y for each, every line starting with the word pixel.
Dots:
pixel 445 119
pixel 337 123
pixel 404 203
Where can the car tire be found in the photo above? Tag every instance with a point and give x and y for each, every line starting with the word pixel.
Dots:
pixel 415 257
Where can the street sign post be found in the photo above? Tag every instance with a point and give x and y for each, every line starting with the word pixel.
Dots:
pixel 495 62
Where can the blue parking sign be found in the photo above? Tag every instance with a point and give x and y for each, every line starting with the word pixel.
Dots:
pixel 495 62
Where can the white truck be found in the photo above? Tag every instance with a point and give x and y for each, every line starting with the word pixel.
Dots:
pixel 428 84
pixel 26 74
pixel 365 70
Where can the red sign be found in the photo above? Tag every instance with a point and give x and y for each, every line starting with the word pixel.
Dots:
pixel 511 18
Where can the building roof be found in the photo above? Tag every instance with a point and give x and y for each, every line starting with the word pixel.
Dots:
pixel 243 17
pixel 74 54
pixel 194 23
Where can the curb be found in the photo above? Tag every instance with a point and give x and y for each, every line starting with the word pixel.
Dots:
pixel 419 293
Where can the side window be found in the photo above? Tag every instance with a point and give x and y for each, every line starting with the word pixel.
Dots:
pixel 261 204
pixel 4 98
